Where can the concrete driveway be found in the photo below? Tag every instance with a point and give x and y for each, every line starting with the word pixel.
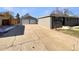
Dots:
pixel 38 38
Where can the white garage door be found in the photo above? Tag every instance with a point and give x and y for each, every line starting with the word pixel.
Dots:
pixel 25 21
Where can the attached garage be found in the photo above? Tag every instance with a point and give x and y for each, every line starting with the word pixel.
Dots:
pixel 50 21
pixel 45 21
pixel 58 21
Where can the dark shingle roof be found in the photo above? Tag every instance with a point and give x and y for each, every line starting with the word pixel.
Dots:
pixel 27 16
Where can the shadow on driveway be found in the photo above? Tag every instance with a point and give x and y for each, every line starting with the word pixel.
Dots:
pixel 16 31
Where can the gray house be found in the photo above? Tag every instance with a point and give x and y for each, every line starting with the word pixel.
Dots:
pixel 58 20
pixel 28 19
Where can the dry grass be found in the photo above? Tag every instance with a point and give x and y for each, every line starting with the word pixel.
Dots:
pixel 70 32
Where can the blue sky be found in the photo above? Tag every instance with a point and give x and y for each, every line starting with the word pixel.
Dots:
pixel 36 11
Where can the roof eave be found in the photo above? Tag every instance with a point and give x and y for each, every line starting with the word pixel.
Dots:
pixel 57 16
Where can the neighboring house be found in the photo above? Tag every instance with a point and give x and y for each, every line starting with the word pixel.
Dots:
pixel 7 20
pixel 4 21
pixel 15 21
pixel 27 19
pixel 58 20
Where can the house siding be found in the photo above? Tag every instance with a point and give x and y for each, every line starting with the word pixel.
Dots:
pixel 25 21
pixel 46 22
pixel 56 22
pixel 71 22
pixel 0 22
pixel 67 21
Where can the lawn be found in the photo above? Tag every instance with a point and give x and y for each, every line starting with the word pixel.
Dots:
pixel 70 32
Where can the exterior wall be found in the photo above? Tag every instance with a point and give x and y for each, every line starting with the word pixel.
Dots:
pixel 71 21
pixel 0 22
pixel 64 21
pixel 46 22
pixel 78 21
pixel 57 22
pixel 13 21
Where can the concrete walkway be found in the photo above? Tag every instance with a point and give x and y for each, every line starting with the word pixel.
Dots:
pixel 37 38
